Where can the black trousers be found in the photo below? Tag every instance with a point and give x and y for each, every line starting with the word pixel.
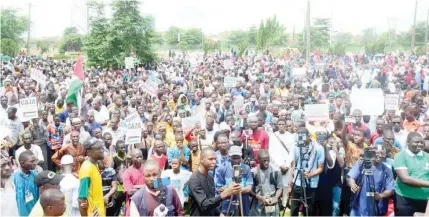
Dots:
pixel 297 194
pixel 407 207
pixel 116 208
pixel 346 194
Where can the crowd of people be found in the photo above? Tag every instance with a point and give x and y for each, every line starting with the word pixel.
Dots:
pixel 220 135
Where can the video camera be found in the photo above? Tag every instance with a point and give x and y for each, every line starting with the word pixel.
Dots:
pixel 236 177
pixel 301 137
pixel 368 157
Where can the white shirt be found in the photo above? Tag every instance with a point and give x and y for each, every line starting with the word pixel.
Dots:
pixel 36 151
pixel 8 205
pixel 15 127
pixel 101 116
pixel 178 181
pixel 69 185
pixel 401 137
pixel 118 134
pixel 278 154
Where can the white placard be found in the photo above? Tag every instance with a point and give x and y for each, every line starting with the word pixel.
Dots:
pixel 38 76
pixel 150 87
pixel 129 62
pixel 190 122
pixel 299 72
pixel 316 112
pixel 369 101
pixel 230 82
pixel 238 105
pixel 391 102
pixel 28 107
pixel 134 124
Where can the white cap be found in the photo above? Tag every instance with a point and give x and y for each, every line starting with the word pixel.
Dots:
pixel 67 159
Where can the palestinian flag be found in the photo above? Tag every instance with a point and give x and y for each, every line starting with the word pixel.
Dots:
pixel 74 92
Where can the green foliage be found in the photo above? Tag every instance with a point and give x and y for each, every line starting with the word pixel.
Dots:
pixel 9 47
pixel 253 35
pixel 320 34
pixel 12 28
pixel 211 45
pixel 43 46
pixel 127 34
pixel 71 41
pixel 191 39
pixel 236 37
pixel 171 36
pixel 269 33
pixel 405 38
pixel 338 49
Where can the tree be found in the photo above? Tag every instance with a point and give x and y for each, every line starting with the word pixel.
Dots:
pixel 405 38
pixel 12 28
pixel 191 39
pixel 211 45
pixel 171 36
pixel 320 33
pixel 71 41
pixel 269 32
pixel 253 35
pixel 127 34
pixel 43 46
pixel 236 37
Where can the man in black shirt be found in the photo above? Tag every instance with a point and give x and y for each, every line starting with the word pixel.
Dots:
pixel 204 202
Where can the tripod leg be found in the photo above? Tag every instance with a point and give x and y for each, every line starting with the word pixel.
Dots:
pixel 229 206
pixel 241 205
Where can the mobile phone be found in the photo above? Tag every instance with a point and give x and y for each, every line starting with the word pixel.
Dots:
pixel 164 182
pixel 350 120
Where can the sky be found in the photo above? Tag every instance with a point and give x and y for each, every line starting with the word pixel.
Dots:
pixel 50 17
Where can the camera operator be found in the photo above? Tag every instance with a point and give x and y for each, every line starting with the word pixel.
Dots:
pixel 202 187
pixel 365 191
pixel 412 186
pixel 310 155
pixel 148 201
pixel 225 176
pixel 328 191
pixel 247 151
pixel 267 187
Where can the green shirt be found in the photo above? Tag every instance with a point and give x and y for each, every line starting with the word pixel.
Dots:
pixel 418 168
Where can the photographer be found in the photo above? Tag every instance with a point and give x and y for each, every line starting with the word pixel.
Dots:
pixel 365 190
pixel 308 160
pixel 225 176
pixel 151 201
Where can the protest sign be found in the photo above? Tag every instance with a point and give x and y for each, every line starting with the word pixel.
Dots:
pixel 299 72
pixel 227 64
pixel 190 122
pixel 38 76
pixel 150 87
pixel 134 128
pixel 129 62
pixel 238 105
pixel 230 82
pixel 28 107
pixel 369 101
pixel 391 102
pixel 316 112
pixel 319 66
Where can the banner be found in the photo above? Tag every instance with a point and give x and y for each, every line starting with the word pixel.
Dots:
pixel 316 112
pixel 150 87
pixel 28 107
pixel 238 105
pixel 391 102
pixel 38 76
pixel 369 101
pixel 134 124
pixel 299 72
pixel 190 122
pixel 129 62
pixel 230 82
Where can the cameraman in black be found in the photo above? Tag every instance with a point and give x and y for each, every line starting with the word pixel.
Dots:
pixel 370 198
pixel 308 161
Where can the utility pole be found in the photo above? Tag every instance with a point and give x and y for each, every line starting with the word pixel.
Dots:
pixel 413 38
pixel 87 16
pixel 307 55
pixel 29 29
pixel 426 34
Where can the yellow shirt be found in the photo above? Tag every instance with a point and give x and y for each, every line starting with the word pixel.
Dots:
pixel 91 187
pixel 37 210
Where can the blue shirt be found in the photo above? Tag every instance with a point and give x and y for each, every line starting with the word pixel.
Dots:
pixel 316 157
pixel 63 116
pixel 223 178
pixel 380 141
pixel 383 180
pixel 92 126
pixel 27 193
pixel 238 92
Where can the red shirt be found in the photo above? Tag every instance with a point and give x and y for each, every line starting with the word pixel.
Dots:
pixel 374 136
pixel 258 140
pixel 131 177
pixel 162 160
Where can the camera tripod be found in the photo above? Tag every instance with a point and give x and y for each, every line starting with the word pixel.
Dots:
pixel 237 204
pixel 303 198
pixel 370 200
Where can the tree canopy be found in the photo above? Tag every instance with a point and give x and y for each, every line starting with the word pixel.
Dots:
pixel 12 29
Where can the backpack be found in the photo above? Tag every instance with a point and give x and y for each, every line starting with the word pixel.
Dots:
pixel 140 200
